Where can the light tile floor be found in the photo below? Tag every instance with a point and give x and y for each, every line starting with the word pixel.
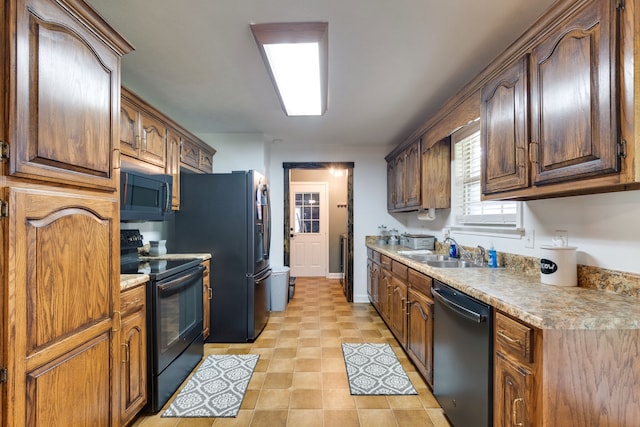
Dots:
pixel 301 380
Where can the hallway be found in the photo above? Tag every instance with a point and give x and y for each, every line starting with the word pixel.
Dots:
pixel 300 379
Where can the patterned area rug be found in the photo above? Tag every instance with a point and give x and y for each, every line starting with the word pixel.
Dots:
pixel 216 389
pixel 374 369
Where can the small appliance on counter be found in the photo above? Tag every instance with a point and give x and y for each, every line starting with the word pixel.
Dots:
pixel 418 241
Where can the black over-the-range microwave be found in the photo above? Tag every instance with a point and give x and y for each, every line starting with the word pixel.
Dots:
pixel 145 197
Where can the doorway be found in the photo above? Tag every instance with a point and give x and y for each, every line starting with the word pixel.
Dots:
pixel 347 167
pixel 308 230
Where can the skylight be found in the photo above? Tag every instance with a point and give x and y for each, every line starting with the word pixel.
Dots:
pixel 296 58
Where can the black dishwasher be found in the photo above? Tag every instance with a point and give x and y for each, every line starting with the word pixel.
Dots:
pixel 462 357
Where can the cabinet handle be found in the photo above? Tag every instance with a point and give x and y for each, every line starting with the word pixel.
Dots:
pixel 533 152
pixel 137 142
pixel 514 411
pixel 508 338
pixel 210 293
pixel 126 353
pixel 521 164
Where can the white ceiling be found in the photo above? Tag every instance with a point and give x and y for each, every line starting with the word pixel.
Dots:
pixel 392 63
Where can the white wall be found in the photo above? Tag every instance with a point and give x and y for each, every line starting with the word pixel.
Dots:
pixel 604 227
pixel 369 200
pixel 237 151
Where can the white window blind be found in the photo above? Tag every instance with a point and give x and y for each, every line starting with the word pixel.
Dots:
pixel 469 210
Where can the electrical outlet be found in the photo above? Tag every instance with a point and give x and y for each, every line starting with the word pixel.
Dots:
pixel 561 237
pixel 445 233
pixel 529 237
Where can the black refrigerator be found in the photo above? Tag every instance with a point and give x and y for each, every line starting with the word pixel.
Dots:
pixel 228 215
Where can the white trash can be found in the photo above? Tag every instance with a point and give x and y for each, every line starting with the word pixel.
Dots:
pixel 279 288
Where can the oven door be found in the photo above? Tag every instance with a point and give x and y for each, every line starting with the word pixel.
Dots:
pixel 177 319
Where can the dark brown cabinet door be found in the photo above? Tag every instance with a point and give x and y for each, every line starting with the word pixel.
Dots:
pixel 412 181
pixel 398 310
pixel 399 168
pixel 513 393
pixel 436 175
pixel 420 333
pixel 384 294
pixel 574 97
pixel 64 97
pixel 391 185
pixel 504 135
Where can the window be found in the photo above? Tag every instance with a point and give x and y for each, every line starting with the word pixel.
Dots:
pixel 307 213
pixel 469 210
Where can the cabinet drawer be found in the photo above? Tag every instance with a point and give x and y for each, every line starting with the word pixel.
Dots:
pixel 514 338
pixel 385 261
pixel 400 270
pixel 420 282
pixel 132 299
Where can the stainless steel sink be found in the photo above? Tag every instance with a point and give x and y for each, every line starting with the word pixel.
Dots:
pixel 442 261
pixel 427 257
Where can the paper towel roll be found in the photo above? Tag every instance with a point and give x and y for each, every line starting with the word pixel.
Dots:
pixel 428 215
pixel 558 266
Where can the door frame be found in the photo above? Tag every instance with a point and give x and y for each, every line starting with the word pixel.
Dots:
pixel 287 220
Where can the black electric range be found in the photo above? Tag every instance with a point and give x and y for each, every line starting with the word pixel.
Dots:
pixel 175 340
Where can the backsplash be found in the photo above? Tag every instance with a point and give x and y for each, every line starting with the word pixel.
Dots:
pixel 618 282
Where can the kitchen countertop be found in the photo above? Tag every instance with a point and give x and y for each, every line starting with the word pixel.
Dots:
pixel 132 280
pixel 526 298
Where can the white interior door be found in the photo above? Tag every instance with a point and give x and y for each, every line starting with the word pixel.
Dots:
pixel 309 233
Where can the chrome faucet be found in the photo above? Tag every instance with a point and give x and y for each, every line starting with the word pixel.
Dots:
pixel 464 254
pixel 478 257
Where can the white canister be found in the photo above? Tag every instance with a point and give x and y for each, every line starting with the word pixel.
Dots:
pixel 558 266
pixel 157 248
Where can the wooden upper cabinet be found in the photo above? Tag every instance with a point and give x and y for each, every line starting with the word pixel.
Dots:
pixel 403 178
pixel 412 175
pixel 153 141
pixel 63 95
pixel 504 135
pixel 399 180
pixel 436 175
pixel 196 155
pixel 391 185
pixel 142 135
pixel 174 141
pixel 574 97
pixel 129 133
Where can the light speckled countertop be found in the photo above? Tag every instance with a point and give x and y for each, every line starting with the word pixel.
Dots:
pixel 526 298
pixel 131 280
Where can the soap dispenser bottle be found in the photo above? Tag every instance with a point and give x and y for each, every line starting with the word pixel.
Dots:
pixel 492 257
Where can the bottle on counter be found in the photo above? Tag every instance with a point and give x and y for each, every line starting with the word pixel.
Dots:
pixel 453 250
pixel 492 257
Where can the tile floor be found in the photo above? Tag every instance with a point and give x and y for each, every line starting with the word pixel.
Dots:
pixel 300 379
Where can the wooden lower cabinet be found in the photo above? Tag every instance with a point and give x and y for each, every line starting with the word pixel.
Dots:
pixel 513 393
pixel 384 294
pixel 62 289
pixel 133 355
pixel 403 300
pixel 373 280
pixel 206 298
pixel 398 310
pixel 420 333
